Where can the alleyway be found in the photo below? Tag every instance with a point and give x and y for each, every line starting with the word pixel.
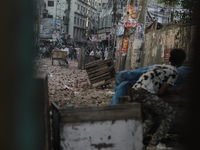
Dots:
pixel 71 86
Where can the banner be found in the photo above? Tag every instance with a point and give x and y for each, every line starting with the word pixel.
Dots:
pixel 94 39
pixel 125 45
pixel 55 36
pixel 130 23
pixel 132 12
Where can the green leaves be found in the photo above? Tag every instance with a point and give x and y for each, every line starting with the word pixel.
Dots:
pixel 188 12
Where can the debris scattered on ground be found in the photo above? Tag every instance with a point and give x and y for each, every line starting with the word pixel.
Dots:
pixel 70 85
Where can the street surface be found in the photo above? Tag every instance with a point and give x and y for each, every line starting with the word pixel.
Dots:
pixel 70 86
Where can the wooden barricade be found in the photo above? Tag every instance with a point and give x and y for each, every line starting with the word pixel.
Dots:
pixel 101 72
pixel 59 54
pixel 60 58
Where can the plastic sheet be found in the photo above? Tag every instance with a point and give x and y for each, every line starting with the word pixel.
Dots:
pixel 124 78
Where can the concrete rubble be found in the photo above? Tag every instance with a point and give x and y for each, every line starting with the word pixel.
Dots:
pixel 71 86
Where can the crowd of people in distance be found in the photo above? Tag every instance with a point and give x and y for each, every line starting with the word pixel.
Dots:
pixel 46 51
pixel 99 53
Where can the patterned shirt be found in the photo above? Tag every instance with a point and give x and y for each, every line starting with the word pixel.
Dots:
pixel 153 79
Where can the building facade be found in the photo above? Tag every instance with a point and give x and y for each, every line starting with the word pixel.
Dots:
pixel 68 20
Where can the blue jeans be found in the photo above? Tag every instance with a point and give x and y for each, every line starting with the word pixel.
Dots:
pixel 77 55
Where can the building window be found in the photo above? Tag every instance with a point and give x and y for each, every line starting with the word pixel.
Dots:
pixel 77 21
pixel 78 6
pixel 83 9
pixel 81 22
pixel 50 16
pixel 51 3
pixel 74 20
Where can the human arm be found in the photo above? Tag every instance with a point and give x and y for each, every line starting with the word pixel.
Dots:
pixel 165 91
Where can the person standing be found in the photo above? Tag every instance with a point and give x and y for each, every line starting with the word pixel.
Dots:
pixel 67 50
pixel 50 51
pixel 106 54
pixel 97 54
pixel 77 53
pixel 72 53
pixel 70 49
pixel 102 54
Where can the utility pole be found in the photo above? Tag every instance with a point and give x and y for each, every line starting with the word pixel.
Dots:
pixel 129 53
pixel 122 57
pixel 115 25
pixel 141 20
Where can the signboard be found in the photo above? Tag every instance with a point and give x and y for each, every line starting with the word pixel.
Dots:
pixel 103 36
pixel 132 12
pixel 45 31
pixel 125 45
pixel 94 38
pixel 130 23
pixel 55 36
pixel 99 37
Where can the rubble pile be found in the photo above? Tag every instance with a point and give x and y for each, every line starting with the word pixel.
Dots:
pixel 71 87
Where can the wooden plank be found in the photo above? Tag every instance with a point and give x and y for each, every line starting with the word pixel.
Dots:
pixel 101 79
pixel 96 67
pixel 91 114
pixel 99 63
pixel 55 55
pixel 109 80
pixel 92 64
pixel 100 76
pixel 101 71
pixel 97 70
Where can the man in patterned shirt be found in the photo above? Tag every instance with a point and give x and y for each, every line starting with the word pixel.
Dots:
pixel 147 90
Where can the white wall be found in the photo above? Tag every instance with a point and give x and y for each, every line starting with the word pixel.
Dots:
pixel 107 135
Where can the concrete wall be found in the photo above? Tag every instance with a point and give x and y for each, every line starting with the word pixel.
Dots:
pixel 158 44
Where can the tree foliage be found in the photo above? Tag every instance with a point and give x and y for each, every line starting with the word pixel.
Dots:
pixel 189 9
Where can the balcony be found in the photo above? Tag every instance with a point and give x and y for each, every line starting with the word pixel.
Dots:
pixel 84 14
pixel 84 1
pixel 80 26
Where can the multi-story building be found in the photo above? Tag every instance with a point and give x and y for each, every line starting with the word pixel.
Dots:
pixel 68 19
pixel 105 23
pixel 83 19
